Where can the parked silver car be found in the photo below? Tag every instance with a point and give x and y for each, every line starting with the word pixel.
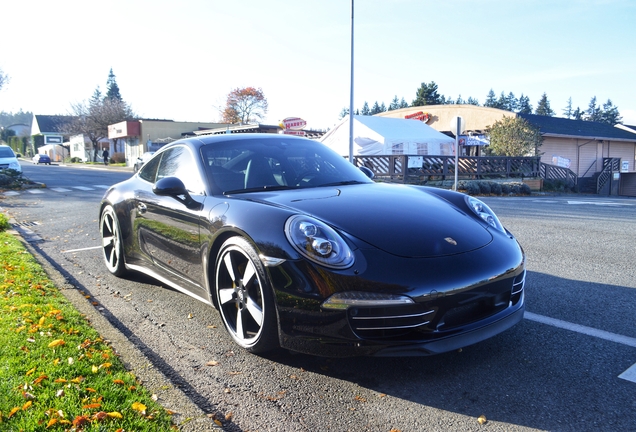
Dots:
pixel 141 160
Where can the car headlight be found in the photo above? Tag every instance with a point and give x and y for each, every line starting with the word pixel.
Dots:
pixel 484 212
pixel 15 166
pixel 318 242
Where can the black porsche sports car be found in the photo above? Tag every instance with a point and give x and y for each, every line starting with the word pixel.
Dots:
pixel 298 248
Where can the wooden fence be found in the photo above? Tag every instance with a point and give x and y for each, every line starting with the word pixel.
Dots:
pixel 414 169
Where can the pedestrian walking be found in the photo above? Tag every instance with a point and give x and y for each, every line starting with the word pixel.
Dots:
pixel 105 156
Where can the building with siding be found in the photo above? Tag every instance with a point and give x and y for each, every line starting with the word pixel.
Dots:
pixel 578 145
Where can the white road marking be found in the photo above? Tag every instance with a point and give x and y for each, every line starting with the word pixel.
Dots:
pixel 84 188
pixel 102 186
pixel 11 193
pixel 60 189
pixel 82 249
pixel 609 203
pixel 34 191
pixel 629 374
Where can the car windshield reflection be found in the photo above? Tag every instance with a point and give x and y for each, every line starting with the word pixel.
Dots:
pixel 251 166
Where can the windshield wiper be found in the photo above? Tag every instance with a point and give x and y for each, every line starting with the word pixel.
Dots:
pixel 344 183
pixel 259 189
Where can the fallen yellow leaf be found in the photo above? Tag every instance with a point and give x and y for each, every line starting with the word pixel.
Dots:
pixel 139 407
pixel 114 414
pixel 56 342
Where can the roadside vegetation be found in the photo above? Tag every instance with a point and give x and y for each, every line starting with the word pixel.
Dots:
pixel 56 372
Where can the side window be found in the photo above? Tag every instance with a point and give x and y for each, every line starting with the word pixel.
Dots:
pixel 179 162
pixel 148 171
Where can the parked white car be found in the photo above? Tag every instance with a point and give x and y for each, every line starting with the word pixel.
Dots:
pixel 8 159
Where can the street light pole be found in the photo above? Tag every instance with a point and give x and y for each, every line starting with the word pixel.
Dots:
pixel 351 95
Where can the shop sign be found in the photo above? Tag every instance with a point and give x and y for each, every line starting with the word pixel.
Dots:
pixel 295 132
pixel 293 123
pixel 421 116
pixel 561 161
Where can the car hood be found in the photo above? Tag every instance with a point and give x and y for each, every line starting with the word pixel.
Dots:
pixel 401 220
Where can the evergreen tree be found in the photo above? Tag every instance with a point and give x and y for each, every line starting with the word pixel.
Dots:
pixel 524 106
pixel 501 102
pixel 382 107
pixel 491 102
pixel 112 89
pixel 472 101
pixel 365 109
pixel 511 102
pixel 403 103
pixel 577 114
pixel 427 95
pixel 375 109
pixel 395 104
pixel 567 111
pixel 593 112
pixel 343 113
pixel 460 101
pixel 543 107
pixel 610 114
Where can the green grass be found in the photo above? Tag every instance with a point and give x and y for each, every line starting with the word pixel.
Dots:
pixel 56 373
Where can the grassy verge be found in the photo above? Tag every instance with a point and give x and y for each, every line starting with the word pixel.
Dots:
pixel 56 373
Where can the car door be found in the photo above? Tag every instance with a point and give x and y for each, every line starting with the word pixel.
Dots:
pixel 168 230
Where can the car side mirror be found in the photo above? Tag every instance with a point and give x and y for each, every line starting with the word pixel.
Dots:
pixel 174 188
pixel 367 171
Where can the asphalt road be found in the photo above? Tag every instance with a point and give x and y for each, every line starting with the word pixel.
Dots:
pixel 557 370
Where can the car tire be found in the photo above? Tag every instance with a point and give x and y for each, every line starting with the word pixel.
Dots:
pixel 245 298
pixel 112 246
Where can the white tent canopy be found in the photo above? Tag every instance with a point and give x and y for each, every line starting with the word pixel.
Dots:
pixel 385 136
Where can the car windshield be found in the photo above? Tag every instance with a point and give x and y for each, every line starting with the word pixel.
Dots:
pixel 6 152
pixel 253 164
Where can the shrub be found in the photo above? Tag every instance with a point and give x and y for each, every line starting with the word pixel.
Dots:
pixel 118 158
pixel 495 188
pixel 525 189
pixel 472 188
pixel 4 222
pixel 505 189
pixel 484 187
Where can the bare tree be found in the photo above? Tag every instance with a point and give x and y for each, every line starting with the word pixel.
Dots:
pixel 4 79
pixel 92 118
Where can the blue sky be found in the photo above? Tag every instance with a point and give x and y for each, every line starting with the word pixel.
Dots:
pixel 179 59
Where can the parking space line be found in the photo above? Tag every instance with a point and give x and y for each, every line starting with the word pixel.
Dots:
pixel 601 334
pixel 60 189
pixel 629 374
pixel 82 249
